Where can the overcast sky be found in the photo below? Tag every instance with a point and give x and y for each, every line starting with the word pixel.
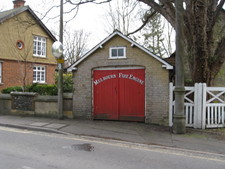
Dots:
pixel 90 17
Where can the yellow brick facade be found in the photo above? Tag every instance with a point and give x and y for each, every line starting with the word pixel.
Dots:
pixel 23 27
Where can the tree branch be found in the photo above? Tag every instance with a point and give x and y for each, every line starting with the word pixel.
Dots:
pixel 218 9
pixel 165 9
pixel 145 21
pixel 87 1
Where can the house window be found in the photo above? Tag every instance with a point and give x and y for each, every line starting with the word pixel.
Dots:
pixel 39 46
pixel 39 74
pixel 0 72
pixel 117 52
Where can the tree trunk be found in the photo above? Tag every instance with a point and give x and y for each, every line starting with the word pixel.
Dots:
pixel 200 43
pixel 204 51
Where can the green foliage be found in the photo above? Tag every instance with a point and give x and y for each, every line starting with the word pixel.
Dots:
pixel 43 89
pixel 153 36
pixel 12 89
pixel 37 88
pixel 67 82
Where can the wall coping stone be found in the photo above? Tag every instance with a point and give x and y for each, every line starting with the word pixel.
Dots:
pixel 68 95
pixel 5 97
pixel 24 93
pixel 46 98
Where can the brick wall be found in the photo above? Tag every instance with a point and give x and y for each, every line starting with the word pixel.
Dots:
pixel 13 73
pixel 157 81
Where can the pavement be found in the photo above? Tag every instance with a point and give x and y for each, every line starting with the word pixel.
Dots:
pixel 210 140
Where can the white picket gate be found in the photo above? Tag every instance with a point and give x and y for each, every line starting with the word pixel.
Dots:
pixel 204 106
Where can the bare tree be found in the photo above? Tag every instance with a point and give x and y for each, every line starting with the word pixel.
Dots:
pixel 71 6
pixel 121 15
pixel 1 8
pixel 168 38
pixel 75 45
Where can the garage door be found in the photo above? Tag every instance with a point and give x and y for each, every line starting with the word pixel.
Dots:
pixel 119 94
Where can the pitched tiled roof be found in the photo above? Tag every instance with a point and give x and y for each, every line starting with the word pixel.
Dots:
pixel 13 12
pixel 133 43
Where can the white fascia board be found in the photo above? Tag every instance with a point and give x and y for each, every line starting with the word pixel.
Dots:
pixel 165 64
pixel 100 45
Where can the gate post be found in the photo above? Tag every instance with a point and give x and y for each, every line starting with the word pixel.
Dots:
pixel 198 106
pixel 203 105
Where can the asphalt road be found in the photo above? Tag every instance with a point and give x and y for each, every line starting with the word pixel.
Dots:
pixel 21 149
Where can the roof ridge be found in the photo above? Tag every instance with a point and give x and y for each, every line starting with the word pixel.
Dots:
pixel 4 15
pixel 12 12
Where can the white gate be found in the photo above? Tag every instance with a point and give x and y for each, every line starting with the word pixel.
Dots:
pixel 204 107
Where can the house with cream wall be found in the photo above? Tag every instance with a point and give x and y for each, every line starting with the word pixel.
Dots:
pixel 25 50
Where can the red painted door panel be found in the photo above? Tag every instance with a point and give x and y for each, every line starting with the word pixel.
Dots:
pixel 105 94
pixel 131 95
pixel 119 94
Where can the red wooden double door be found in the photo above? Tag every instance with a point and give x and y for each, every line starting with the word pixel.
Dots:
pixel 119 94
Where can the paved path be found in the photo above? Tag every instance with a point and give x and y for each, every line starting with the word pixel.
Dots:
pixel 199 140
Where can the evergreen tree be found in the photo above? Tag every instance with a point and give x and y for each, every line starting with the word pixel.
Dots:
pixel 153 36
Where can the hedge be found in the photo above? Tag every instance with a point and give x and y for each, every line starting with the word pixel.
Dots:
pixel 44 89
pixel 37 88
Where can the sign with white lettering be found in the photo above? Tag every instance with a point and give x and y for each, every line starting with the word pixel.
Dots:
pixel 131 77
pixel 96 82
pixel 121 76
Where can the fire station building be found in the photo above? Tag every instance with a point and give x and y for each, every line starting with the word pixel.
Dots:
pixel 121 80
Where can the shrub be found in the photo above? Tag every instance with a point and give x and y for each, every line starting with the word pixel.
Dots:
pixel 37 88
pixel 67 82
pixel 12 89
pixel 43 89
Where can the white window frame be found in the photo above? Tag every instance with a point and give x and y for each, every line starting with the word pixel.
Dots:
pixel 39 74
pixel 117 56
pixel 0 72
pixel 39 46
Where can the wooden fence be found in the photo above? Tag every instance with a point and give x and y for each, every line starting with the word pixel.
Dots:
pixel 204 107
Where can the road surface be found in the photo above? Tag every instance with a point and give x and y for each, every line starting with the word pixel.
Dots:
pixel 21 149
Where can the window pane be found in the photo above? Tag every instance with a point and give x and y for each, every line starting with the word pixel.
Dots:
pixel 120 52
pixel 39 46
pixel 39 74
pixel 114 52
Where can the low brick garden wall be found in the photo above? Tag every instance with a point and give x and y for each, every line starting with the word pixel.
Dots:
pixel 32 104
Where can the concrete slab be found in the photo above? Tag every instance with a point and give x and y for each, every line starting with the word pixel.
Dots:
pixel 56 125
pixel 39 124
